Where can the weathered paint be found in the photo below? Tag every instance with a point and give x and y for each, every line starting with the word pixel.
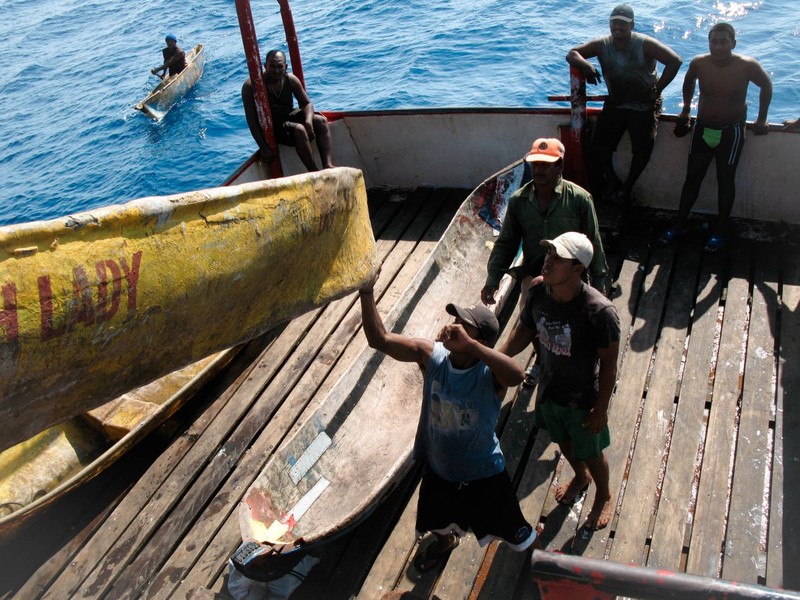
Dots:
pixel 110 300
pixel 561 576
pixel 158 102
pixel 36 472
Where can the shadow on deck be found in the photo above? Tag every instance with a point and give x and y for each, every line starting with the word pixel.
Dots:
pixel 699 460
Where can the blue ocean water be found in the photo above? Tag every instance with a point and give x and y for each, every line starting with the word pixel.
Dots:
pixel 71 70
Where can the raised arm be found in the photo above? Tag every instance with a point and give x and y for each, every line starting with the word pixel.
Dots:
pixel 399 347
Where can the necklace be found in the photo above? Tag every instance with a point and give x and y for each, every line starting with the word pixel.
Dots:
pixel 279 92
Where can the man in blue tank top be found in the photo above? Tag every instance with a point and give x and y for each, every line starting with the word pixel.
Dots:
pixel 578 332
pixel 628 62
pixel 465 484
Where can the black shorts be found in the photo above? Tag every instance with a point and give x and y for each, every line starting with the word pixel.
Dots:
pixel 487 506
pixel 612 123
pixel 284 130
pixel 727 146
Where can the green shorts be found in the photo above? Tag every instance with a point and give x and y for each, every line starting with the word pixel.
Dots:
pixel 566 424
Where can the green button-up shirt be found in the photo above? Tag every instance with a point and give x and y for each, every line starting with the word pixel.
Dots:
pixel 571 209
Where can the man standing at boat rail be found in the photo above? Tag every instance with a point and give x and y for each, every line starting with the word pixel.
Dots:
pixel 293 127
pixel 628 62
pixel 174 58
pixel 720 127
pixel 465 484
pixel 577 332
pixel 545 207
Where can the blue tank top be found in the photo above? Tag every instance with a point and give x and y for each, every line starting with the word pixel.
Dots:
pixel 456 431
pixel 629 74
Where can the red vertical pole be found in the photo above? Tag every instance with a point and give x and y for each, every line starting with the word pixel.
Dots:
pixel 250 42
pixel 291 40
pixel 575 164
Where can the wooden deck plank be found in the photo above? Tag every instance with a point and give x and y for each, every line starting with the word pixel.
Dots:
pixel 783 553
pixel 503 566
pixel 708 528
pixel 637 321
pixel 676 506
pixel 376 557
pixel 745 540
pixel 304 377
pixel 124 518
pixel 641 492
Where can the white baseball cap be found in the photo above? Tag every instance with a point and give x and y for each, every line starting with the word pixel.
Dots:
pixel 572 245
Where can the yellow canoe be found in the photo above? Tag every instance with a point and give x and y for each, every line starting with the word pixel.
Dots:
pixel 171 89
pixel 99 303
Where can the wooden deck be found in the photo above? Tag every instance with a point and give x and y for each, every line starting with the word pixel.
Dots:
pixel 699 460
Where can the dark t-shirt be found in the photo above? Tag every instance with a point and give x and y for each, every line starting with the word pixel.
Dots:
pixel 569 334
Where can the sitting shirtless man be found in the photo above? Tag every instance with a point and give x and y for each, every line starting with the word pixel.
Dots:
pixel 719 131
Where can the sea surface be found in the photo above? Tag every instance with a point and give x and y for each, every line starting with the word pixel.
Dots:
pixel 71 71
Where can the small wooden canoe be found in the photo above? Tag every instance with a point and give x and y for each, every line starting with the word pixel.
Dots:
pixel 36 472
pixel 346 457
pixel 100 303
pixel 172 88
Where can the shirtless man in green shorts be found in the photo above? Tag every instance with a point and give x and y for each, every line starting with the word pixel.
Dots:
pixel 719 131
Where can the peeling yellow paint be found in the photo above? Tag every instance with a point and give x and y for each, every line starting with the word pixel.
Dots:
pixel 110 300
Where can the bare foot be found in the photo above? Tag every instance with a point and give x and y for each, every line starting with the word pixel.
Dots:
pixel 568 493
pixel 600 515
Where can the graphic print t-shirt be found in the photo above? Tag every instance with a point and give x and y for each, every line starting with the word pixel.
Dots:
pixel 569 334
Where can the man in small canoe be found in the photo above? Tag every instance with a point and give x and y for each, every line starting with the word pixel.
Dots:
pixel 174 58
pixel 465 484
pixel 578 332
pixel 296 127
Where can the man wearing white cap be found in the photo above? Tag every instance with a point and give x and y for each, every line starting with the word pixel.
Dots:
pixel 628 61
pixel 545 207
pixel 577 330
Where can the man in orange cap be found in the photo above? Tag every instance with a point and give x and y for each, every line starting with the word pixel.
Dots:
pixel 543 208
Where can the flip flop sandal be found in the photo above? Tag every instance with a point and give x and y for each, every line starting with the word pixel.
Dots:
pixel 668 236
pixel 434 555
pixel 714 244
